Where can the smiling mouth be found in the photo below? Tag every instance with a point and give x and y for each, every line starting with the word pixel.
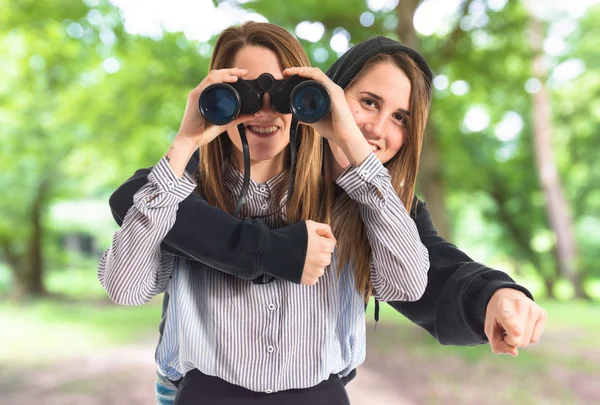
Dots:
pixel 374 148
pixel 263 131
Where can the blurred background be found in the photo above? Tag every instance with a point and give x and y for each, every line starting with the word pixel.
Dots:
pixel 90 91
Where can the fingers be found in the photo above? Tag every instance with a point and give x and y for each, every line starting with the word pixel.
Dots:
pixel 496 335
pixel 323 230
pixel 321 246
pixel 538 329
pixel 513 321
pixel 530 323
pixel 501 347
pixel 328 246
pixel 305 71
pixel 240 119
pixel 521 320
pixel 226 75
pixel 312 73
pixel 219 76
pixel 327 239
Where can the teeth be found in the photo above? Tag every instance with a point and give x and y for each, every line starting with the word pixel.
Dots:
pixel 263 130
pixel 375 148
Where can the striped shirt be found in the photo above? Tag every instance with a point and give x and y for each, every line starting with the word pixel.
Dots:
pixel 264 337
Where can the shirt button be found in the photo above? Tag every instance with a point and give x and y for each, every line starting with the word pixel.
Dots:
pixel 365 173
pixel 270 349
pixel 264 206
pixel 269 391
pixel 263 189
pixel 271 307
pixel 170 183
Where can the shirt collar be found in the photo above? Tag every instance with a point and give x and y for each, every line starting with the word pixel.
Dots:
pixel 233 180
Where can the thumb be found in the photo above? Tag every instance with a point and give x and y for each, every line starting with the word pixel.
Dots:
pixel 501 347
pixel 324 231
pixel 240 119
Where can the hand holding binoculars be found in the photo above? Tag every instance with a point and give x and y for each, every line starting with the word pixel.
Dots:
pixel 307 100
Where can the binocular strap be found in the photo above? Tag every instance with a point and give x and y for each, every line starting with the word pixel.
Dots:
pixel 246 183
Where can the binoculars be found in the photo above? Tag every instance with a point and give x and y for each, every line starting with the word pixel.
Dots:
pixel 307 100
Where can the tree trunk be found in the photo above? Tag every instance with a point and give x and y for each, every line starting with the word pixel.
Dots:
pixel 557 209
pixel 430 177
pixel 28 270
pixel 549 288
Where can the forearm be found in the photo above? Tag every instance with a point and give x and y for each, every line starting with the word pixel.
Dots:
pixel 400 261
pixel 355 146
pixel 452 309
pixel 133 269
pixel 244 248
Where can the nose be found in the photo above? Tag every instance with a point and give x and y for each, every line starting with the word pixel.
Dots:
pixel 375 128
pixel 266 110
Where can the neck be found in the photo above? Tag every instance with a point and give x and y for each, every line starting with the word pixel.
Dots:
pixel 260 170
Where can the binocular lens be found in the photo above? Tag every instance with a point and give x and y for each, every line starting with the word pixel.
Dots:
pixel 310 103
pixel 219 104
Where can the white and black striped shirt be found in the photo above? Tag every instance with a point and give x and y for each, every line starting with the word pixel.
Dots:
pixel 265 337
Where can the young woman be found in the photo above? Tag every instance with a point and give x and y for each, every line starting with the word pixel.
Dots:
pixel 388 88
pixel 460 296
pixel 231 340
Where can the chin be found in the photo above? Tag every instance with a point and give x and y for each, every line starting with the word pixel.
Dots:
pixel 261 154
pixel 263 149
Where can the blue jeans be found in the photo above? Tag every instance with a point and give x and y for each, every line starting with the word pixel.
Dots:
pixel 165 390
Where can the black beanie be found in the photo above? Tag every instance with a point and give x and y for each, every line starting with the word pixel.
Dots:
pixel 350 63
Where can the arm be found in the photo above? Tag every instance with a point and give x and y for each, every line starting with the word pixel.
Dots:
pixel 400 261
pixel 134 270
pixel 458 289
pixel 244 248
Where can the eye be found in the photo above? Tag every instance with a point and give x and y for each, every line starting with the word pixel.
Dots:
pixel 369 102
pixel 400 118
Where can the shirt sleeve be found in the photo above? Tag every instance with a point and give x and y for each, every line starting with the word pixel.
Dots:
pixel 453 307
pixel 134 270
pixel 400 260
pixel 245 248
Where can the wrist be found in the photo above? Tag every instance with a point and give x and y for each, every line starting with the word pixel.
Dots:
pixel 179 154
pixel 355 147
pixel 186 144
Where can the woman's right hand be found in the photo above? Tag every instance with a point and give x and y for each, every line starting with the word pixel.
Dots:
pixel 194 130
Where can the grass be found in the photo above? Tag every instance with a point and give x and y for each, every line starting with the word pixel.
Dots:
pixel 85 320
pixel 572 328
pixel 42 331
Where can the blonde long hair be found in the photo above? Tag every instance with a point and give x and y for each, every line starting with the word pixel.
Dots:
pixel 303 203
pixel 347 225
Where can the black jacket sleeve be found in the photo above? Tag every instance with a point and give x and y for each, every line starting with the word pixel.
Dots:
pixel 458 289
pixel 245 248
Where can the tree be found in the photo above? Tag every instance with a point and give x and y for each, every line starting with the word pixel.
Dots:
pixel 83 105
pixel 558 211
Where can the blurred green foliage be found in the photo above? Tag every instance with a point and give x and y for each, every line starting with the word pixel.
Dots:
pixel 83 104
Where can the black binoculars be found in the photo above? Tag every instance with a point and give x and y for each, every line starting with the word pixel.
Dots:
pixel 307 100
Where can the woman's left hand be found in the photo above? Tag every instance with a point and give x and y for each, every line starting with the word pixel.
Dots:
pixel 339 124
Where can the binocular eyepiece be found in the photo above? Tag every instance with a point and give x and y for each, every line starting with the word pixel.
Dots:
pixel 307 100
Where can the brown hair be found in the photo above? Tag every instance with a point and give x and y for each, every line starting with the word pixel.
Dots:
pixel 347 225
pixel 303 203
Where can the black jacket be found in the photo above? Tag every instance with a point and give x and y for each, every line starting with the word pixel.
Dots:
pixel 452 308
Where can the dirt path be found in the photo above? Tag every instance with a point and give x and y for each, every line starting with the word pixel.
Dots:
pixel 392 375
pixel 125 376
